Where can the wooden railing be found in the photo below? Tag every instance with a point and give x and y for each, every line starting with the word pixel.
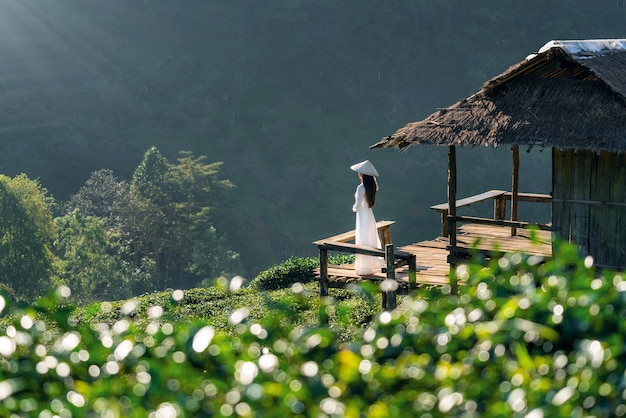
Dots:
pixel 384 232
pixel 500 197
pixel 393 258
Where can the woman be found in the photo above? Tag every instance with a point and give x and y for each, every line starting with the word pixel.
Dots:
pixel 366 232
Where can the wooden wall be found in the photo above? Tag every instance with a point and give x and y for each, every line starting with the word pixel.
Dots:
pixel 589 203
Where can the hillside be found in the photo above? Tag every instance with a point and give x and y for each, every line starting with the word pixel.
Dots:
pixel 287 94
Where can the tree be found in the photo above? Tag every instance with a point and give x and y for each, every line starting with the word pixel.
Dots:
pixel 168 220
pixel 194 189
pixel 145 215
pixel 201 251
pixel 89 260
pixel 211 258
pixel 142 226
pixel 101 195
pixel 26 234
pixel 149 177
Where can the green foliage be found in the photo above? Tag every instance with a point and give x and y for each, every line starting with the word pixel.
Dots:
pixel 101 195
pixel 155 233
pixel 194 184
pixel 142 227
pixel 211 258
pixel 168 218
pixel 26 234
pixel 526 337
pixel 89 260
pixel 149 176
pixel 294 270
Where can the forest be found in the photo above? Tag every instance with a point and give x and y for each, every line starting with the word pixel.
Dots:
pixel 116 239
pixel 282 95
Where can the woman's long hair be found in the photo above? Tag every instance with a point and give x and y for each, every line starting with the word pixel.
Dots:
pixel 370 189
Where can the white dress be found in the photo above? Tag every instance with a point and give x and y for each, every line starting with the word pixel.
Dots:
pixel 366 234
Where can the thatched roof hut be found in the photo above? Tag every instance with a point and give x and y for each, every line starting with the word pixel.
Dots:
pixel 570 96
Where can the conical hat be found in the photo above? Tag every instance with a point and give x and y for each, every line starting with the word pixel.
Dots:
pixel 365 167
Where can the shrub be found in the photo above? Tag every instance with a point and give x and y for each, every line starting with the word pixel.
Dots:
pixel 294 270
pixel 525 337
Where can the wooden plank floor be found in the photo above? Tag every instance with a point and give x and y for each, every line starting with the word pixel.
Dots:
pixel 432 255
pixel 499 238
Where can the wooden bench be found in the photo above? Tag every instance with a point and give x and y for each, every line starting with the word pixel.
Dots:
pixel 499 202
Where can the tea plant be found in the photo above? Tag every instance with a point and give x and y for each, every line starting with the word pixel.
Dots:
pixel 525 337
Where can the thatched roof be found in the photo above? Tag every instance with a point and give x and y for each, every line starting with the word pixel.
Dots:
pixel 571 94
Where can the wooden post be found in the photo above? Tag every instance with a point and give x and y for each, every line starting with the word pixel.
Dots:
pixel 515 188
pixel 556 210
pixel 499 207
pixel 412 272
pixel 452 214
pixel 323 272
pixel 385 235
pixel 452 195
pixel 389 285
pixel 444 224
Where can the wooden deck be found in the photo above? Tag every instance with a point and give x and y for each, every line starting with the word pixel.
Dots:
pixel 432 255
